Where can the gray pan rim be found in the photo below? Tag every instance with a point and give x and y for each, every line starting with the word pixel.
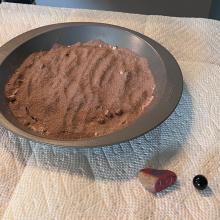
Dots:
pixel 128 133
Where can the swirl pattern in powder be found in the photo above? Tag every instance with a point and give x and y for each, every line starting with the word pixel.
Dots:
pixel 80 91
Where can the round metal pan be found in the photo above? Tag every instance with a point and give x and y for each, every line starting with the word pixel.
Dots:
pixel 167 74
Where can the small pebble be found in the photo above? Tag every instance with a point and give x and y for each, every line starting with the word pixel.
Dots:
pixel 114 47
pixel 33 128
pixel 123 122
pixel 156 180
pixel 11 98
pixel 34 118
pixel 200 182
pixel 121 72
pixel 101 121
pixel 96 134
pixel 38 128
pixel 15 92
pixel 119 112
pixel 20 81
pixel 41 129
pixel 108 114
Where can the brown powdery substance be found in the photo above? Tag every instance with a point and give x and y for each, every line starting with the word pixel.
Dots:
pixel 80 91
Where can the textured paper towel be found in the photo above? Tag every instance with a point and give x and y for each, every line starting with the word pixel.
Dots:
pixel 46 182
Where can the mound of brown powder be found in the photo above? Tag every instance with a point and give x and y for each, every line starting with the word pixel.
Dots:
pixel 80 91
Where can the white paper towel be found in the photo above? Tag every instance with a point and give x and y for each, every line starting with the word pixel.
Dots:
pixel 47 182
